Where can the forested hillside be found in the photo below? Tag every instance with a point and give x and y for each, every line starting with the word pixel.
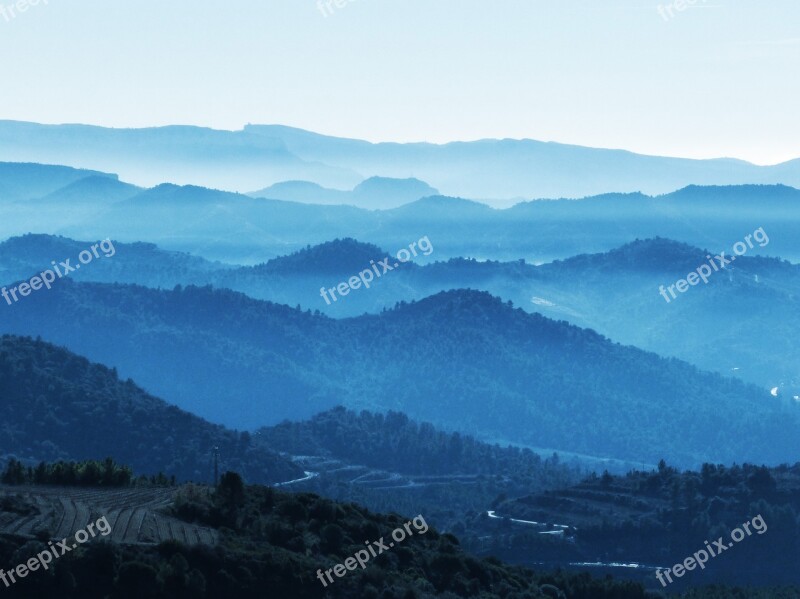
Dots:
pixel 59 406
pixel 461 359
pixel 388 462
pixel 658 518
pixel 282 542
pixel 597 291
pixel 394 442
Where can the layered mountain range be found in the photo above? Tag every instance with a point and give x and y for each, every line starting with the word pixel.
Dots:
pixel 494 371
pixel 258 156
pixel 241 229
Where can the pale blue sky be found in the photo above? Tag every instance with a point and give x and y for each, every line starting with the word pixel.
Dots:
pixel 720 79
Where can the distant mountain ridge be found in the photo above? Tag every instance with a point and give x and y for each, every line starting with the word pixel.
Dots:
pixel 237 228
pixel 372 193
pixel 143 263
pixel 261 155
pixel 179 154
pixel 338 257
pixel 25 181
pixel 96 188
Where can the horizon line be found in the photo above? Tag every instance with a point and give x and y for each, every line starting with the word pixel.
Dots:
pixel 406 142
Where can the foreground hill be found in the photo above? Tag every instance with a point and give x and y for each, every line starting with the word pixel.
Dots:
pixel 59 406
pixel 646 518
pixel 461 359
pixel 134 515
pixel 276 544
pixel 658 518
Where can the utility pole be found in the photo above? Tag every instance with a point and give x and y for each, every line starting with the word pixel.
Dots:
pixel 216 466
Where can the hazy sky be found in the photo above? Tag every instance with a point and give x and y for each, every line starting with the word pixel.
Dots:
pixel 717 79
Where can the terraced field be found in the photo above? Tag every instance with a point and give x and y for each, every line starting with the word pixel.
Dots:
pixel 135 515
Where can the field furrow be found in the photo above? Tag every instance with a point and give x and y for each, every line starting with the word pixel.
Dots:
pixel 135 525
pixel 68 519
pixel 118 533
pixel 135 515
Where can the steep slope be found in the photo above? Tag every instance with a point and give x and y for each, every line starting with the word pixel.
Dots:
pixel 57 405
